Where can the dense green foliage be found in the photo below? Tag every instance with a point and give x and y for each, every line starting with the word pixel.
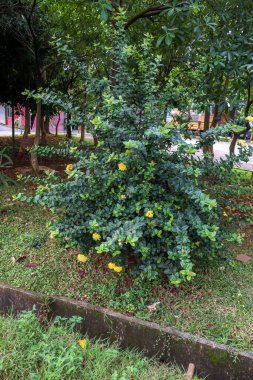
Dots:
pixel 31 351
pixel 216 305
pixel 132 198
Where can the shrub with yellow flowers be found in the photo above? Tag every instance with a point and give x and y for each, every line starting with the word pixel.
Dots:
pixel 137 197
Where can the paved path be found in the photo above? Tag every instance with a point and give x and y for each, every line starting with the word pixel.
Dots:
pixel 221 149
pixel 6 131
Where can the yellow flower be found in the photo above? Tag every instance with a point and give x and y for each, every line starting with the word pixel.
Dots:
pixel 114 267
pixel 82 342
pixel 149 214
pixel 225 214
pixel 96 236
pixel 249 118
pixel 117 269
pixel 82 258
pixel 241 143
pixel 53 234
pixel 111 266
pixel 122 167
pixel 69 168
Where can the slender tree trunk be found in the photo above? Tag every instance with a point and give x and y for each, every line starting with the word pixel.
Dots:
pixel 13 127
pixel 27 121
pixel 233 143
pixel 34 156
pixel 27 127
pixel 247 124
pixel 47 125
pixel 95 139
pixel 32 119
pixel 43 140
pixel 69 132
pixel 207 148
pixel 82 138
pixel 57 125
pixel 207 119
pixel 215 115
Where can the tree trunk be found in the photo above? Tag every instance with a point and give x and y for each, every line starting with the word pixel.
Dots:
pixel 207 148
pixel 207 119
pixel 95 139
pixel 215 115
pixel 233 143
pixel 27 121
pixel 247 124
pixel 69 132
pixel 13 127
pixel 82 138
pixel 32 119
pixel 27 128
pixel 43 140
pixel 47 125
pixel 34 156
pixel 57 125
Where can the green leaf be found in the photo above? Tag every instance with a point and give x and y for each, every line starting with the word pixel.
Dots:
pixel 160 40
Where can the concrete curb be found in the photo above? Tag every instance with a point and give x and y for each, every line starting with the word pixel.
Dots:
pixel 216 361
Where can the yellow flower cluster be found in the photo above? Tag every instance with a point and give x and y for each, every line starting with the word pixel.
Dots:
pixel 96 236
pixel 249 118
pixel 241 143
pixel 149 214
pixel 82 258
pixel 69 168
pixel 114 267
pixel 122 167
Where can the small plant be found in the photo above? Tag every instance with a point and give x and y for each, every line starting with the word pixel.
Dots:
pixel 5 160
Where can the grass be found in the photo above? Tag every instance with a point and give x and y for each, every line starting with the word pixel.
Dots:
pixel 243 175
pixel 217 305
pixel 31 351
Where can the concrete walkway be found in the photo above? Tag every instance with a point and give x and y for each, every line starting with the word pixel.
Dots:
pixel 221 149
pixel 6 131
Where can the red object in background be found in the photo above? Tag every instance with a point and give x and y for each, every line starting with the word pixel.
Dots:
pixel 19 114
pixel 19 118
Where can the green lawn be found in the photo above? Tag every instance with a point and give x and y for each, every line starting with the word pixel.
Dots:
pixel 216 305
pixel 30 351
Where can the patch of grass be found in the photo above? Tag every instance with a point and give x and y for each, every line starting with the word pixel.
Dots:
pixel 30 351
pixel 243 175
pixel 217 305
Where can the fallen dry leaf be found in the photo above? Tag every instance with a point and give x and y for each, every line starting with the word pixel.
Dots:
pixel 243 258
pixel 30 265
pixel 21 259
pixel 152 308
